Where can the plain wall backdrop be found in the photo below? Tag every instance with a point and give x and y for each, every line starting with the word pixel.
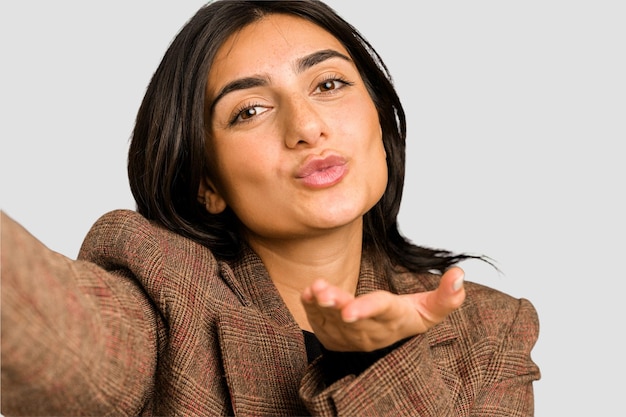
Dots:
pixel 516 127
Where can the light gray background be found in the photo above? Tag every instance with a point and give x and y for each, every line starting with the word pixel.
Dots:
pixel 516 114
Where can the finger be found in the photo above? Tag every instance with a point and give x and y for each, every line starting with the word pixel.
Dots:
pixel 438 304
pixel 370 305
pixel 453 279
pixel 315 312
pixel 326 295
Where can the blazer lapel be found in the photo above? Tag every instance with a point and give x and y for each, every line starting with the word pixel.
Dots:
pixel 262 346
pixel 442 339
pixel 263 363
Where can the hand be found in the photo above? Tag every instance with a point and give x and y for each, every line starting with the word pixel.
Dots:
pixel 372 321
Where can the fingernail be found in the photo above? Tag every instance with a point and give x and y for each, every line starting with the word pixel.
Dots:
pixel 326 303
pixel 458 283
pixel 350 318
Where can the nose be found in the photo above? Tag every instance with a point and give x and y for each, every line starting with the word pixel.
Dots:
pixel 305 122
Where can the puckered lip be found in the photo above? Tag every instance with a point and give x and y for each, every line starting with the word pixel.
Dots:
pixel 316 163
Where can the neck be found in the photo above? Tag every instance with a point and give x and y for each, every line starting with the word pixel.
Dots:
pixel 294 264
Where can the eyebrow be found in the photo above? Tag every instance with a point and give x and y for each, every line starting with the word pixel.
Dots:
pixel 315 58
pixel 302 65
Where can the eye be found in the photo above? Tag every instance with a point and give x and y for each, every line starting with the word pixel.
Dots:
pixel 247 112
pixel 332 84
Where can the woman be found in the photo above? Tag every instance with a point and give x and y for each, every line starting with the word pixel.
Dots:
pixel 263 272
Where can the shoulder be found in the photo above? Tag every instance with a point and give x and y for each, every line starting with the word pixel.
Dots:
pixel 128 228
pixel 490 319
pixel 120 233
pixel 488 312
pixel 126 239
pixel 125 224
pixel 486 303
pixel 181 276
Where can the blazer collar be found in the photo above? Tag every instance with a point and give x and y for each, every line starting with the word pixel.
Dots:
pixel 252 280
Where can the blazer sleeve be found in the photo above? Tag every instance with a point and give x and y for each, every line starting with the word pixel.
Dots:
pixel 488 372
pixel 404 382
pixel 76 339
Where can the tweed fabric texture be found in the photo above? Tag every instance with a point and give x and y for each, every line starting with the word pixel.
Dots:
pixel 147 322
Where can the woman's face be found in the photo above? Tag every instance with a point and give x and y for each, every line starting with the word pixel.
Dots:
pixel 295 139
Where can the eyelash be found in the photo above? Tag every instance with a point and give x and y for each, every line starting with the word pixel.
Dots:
pixel 237 114
pixel 334 78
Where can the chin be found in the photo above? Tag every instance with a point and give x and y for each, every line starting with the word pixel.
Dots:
pixel 338 219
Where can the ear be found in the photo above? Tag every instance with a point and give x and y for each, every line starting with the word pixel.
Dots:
pixel 210 197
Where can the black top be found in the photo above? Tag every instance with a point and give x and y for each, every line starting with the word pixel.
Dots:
pixel 336 365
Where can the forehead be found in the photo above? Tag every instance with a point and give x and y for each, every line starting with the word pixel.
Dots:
pixel 273 41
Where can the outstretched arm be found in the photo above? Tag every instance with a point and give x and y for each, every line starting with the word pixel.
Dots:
pixel 76 339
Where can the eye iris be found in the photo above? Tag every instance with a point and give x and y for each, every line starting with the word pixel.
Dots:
pixel 329 85
pixel 248 113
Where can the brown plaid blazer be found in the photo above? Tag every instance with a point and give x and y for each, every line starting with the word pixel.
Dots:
pixel 147 322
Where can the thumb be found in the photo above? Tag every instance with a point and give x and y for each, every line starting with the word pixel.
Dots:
pixel 446 298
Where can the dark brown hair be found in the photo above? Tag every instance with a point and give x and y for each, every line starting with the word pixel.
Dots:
pixel 168 156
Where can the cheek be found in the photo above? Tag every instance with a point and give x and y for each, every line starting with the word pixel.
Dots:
pixel 378 156
pixel 246 170
pixel 382 170
pixel 359 118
